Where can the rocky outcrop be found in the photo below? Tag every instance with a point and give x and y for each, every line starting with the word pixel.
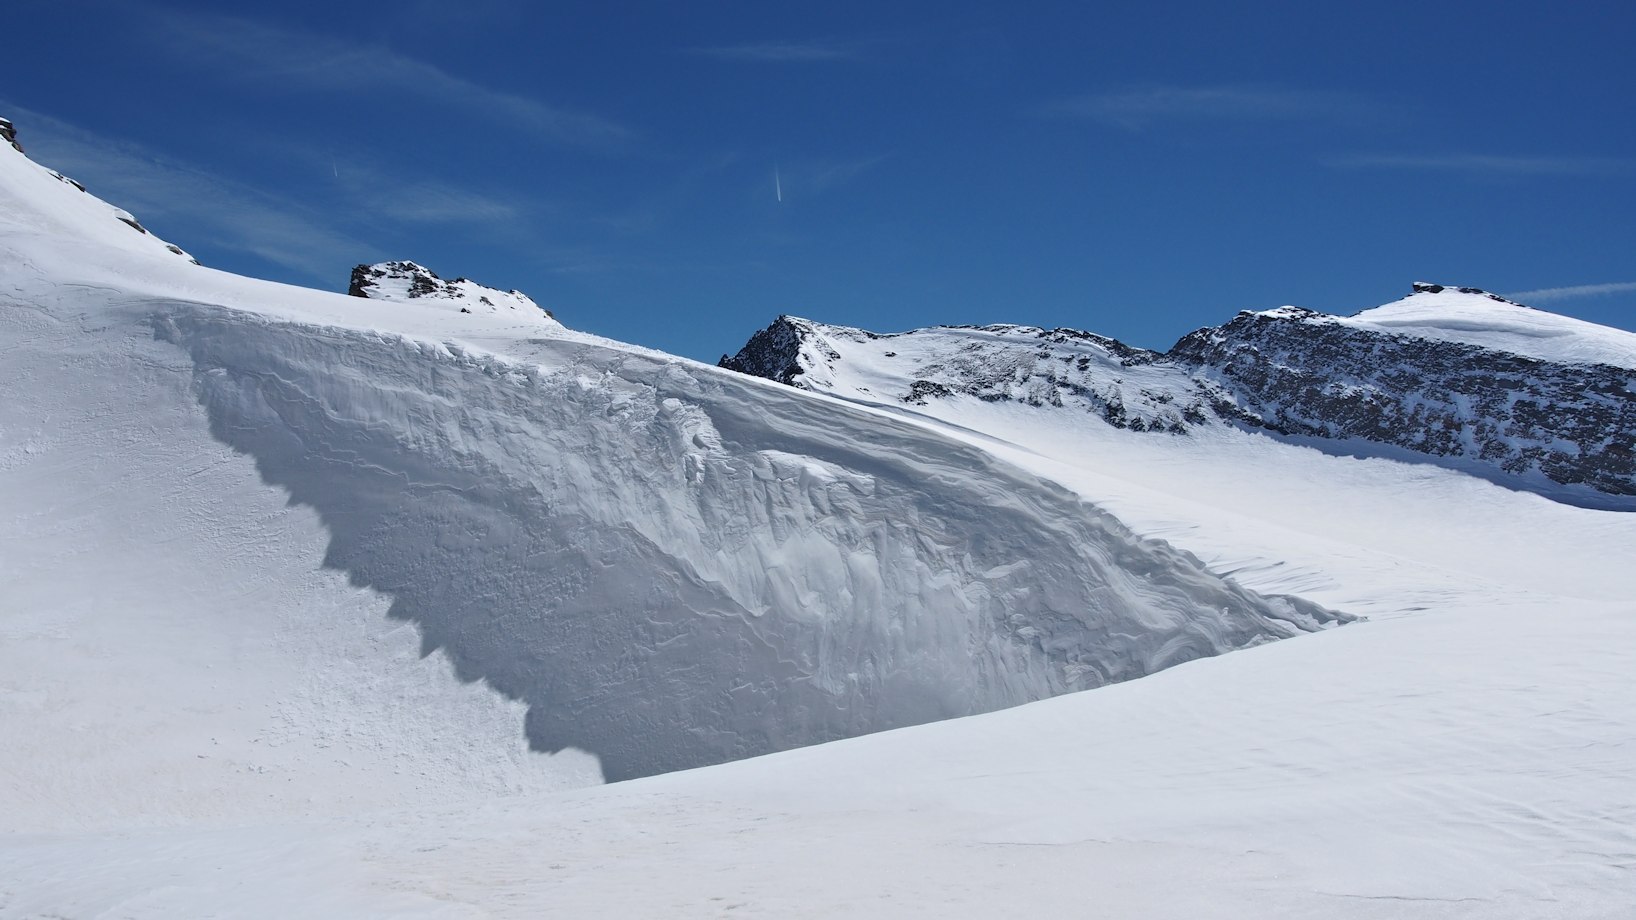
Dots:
pixel 404 280
pixel 783 351
pixel 8 133
pixel 1290 372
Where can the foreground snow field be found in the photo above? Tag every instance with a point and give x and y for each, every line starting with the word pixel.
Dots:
pixel 234 515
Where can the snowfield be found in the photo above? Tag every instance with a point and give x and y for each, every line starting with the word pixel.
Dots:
pixel 298 590
pixel 1489 321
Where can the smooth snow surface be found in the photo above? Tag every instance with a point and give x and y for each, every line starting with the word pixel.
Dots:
pixel 1453 315
pixel 233 514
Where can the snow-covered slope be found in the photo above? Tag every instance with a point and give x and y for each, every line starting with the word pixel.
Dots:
pixel 233 513
pixel 79 217
pixel 1475 317
pixel 1058 368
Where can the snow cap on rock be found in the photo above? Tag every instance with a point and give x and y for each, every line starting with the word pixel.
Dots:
pixel 405 280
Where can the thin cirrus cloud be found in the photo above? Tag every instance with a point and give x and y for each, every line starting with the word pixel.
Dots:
pixel 1487 165
pixel 1141 107
pixel 246 49
pixel 779 52
pixel 164 193
pixel 183 203
pixel 1547 295
pixel 379 191
pixel 820 176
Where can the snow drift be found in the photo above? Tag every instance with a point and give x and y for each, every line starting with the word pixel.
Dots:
pixel 174 652
pixel 671 565
pixel 675 567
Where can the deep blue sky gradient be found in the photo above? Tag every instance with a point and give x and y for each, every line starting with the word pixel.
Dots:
pixel 1139 171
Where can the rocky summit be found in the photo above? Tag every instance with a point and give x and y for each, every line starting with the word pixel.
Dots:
pixel 404 280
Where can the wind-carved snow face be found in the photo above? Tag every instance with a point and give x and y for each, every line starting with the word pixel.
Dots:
pixel 674 566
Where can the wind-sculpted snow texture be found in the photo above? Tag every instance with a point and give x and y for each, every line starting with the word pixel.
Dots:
pixel 676 567
pixel 1456 377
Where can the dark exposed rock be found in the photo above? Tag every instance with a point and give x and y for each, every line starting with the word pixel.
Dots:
pixel 774 352
pixel 409 280
pixel 1572 423
pixel 8 133
pixel 66 179
pixel 921 390
pixel 421 280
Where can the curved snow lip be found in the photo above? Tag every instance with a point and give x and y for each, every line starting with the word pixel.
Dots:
pixel 674 566
pixel 1472 316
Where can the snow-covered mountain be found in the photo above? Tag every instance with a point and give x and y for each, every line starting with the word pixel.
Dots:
pixel 1455 376
pixel 298 590
pixel 405 281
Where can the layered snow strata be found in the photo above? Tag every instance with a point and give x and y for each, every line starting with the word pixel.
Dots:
pixel 675 566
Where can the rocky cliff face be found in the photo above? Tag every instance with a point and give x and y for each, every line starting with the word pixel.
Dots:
pixel 784 351
pixel 1434 375
pixel 1291 372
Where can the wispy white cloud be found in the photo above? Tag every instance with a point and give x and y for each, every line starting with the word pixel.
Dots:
pixel 1475 164
pixel 780 52
pixel 1139 107
pixel 371 189
pixel 437 203
pixel 165 193
pixel 819 176
pixel 1546 295
pixel 244 49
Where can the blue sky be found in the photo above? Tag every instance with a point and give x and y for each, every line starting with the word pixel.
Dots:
pixel 1134 172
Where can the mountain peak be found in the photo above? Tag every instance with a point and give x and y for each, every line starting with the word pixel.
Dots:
pixel 1427 287
pixel 404 280
pixel 1474 316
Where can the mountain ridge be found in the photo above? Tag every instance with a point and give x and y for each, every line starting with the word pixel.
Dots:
pixel 1389 376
